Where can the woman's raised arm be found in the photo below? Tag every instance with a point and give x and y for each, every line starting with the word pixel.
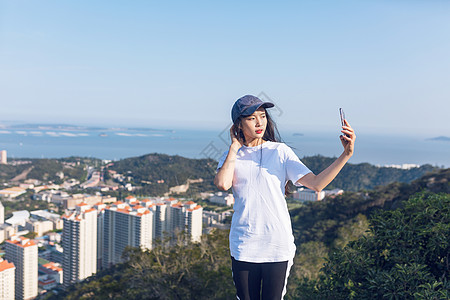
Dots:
pixel 319 182
pixel 224 177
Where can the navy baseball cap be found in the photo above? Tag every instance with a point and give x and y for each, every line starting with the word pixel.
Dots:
pixel 247 105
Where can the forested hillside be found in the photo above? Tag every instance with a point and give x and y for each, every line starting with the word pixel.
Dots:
pixel 46 169
pixel 175 170
pixel 321 220
pixel 400 251
pixel 405 255
pixel 157 173
pixel 171 171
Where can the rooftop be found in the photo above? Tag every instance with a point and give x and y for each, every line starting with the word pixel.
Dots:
pixel 21 241
pixel 53 266
pixel 5 265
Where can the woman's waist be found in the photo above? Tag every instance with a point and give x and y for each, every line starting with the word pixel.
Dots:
pixel 260 229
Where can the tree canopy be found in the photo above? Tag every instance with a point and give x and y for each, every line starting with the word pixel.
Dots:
pixel 404 256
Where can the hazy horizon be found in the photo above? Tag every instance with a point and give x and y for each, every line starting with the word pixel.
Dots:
pixel 283 128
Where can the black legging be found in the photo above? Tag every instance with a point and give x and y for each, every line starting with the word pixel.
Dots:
pixel 249 276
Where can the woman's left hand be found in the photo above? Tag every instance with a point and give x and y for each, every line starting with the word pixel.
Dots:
pixel 348 138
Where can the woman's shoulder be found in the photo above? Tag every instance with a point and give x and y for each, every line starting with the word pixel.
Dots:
pixel 284 151
pixel 272 144
pixel 277 145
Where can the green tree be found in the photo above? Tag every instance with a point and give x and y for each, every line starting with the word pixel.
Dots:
pixel 405 256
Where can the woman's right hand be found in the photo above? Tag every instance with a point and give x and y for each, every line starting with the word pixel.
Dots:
pixel 235 139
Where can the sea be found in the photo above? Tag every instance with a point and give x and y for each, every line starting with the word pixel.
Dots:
pixel 116 144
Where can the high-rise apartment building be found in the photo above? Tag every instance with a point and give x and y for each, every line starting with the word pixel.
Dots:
pixel 162 220
pixel 125 225
pixel 7 274
pixel 2 213
pixel 96 237
pixel 3 157
pixel 194 221
pixel 79 244
pixel 159 222
pixel 100 207
pixel 187 217
pixel 23 252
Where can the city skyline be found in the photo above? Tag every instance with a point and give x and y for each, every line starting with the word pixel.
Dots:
pixel 182 65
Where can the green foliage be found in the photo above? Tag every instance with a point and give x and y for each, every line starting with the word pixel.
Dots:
pixel 184 270
pixel 309 259
pixel 46 169
pixel 30 235
pixel 406 256
pixel 321 220
pixel 26 204
pixel 8 172
pixel 351 231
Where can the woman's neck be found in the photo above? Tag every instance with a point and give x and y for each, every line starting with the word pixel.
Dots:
pixel 255 142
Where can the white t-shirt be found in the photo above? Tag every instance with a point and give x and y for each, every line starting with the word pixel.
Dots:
pixel 261 229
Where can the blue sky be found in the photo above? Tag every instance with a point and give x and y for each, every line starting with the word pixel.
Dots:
pixel 182 64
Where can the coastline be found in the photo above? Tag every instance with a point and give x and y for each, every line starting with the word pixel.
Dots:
pixel 120 143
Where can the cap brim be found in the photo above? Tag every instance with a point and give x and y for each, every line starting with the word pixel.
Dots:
pixel 251 109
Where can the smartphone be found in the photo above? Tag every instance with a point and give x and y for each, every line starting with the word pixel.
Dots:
pixel 342 115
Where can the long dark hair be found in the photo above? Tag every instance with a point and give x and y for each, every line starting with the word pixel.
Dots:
pixel 270 134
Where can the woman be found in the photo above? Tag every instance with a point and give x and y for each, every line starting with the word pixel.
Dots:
pixel 257 166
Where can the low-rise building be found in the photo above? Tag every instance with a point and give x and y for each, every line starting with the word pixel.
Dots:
pixel 222 198
pixel 13 192
pixel 26 186
pixel 211 218
pixel 333 193
pixel 54 252
pixel 19 218
pixel 39 227
pixel 6 232
pixel 53 196
pixel 54 237
pixel 74 200
pixel 68 184
pixel 304 194
pixel 52 270
pixel 46 282
pixel 44 215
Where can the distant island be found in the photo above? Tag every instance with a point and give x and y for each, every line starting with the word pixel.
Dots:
pixel 68 127
pixel 440 138
pixel 297 134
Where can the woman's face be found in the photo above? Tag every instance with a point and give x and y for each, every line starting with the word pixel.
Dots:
pixel 254 126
